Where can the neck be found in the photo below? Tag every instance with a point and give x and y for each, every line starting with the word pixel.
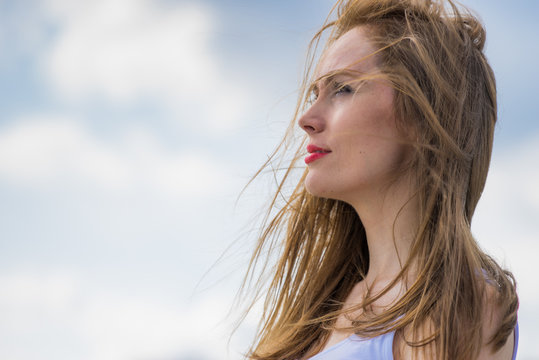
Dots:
pixel 390 218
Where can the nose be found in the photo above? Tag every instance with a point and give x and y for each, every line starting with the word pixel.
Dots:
pixel 312 121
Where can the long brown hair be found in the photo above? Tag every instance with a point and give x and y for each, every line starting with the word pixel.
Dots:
pixel 432 54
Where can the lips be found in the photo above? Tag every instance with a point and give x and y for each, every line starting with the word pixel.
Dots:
pixel 315 153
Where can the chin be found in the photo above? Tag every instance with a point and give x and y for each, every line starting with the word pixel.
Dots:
pixel 321 188
pixel 314 187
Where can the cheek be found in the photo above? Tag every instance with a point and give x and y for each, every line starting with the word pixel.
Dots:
pixel 366 130
pixel 373 146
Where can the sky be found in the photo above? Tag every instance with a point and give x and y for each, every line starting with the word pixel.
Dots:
pixel 128 129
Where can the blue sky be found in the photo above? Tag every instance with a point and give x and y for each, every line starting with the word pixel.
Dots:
pixel 128 129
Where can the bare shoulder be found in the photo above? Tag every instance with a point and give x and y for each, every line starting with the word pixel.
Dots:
pixel 493 317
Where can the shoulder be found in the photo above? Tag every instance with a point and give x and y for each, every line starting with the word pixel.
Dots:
pixel 493 316
pixel 493 328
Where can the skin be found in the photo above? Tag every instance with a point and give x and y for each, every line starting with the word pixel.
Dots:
pixel 356 122
pixel 359 127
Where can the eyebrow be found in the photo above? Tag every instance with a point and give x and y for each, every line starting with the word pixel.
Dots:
pixel 330 77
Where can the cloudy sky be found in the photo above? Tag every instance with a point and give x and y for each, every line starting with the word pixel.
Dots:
pixel 127 130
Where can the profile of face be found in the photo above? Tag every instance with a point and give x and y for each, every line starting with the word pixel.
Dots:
pixel 354 144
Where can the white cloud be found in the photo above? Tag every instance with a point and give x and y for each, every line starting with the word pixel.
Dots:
pixel 128 50
pixel 44 151
pixel 30 290
pixel 122 327
pixel 34 308
pixel 111 324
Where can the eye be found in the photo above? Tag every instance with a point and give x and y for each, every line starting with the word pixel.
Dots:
pixel 341 89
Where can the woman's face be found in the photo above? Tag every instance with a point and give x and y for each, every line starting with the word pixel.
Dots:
pixel 354 144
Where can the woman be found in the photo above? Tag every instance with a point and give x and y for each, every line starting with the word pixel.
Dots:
pixel 376 259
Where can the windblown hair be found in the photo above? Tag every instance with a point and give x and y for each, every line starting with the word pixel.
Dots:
pixel 431 52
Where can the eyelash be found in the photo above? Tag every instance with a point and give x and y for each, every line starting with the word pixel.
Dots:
pixel 337 89
pixel 342 89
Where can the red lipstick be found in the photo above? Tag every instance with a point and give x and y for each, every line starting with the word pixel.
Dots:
pixel 315 153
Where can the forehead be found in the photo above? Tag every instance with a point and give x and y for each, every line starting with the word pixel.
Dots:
pixel 350 51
